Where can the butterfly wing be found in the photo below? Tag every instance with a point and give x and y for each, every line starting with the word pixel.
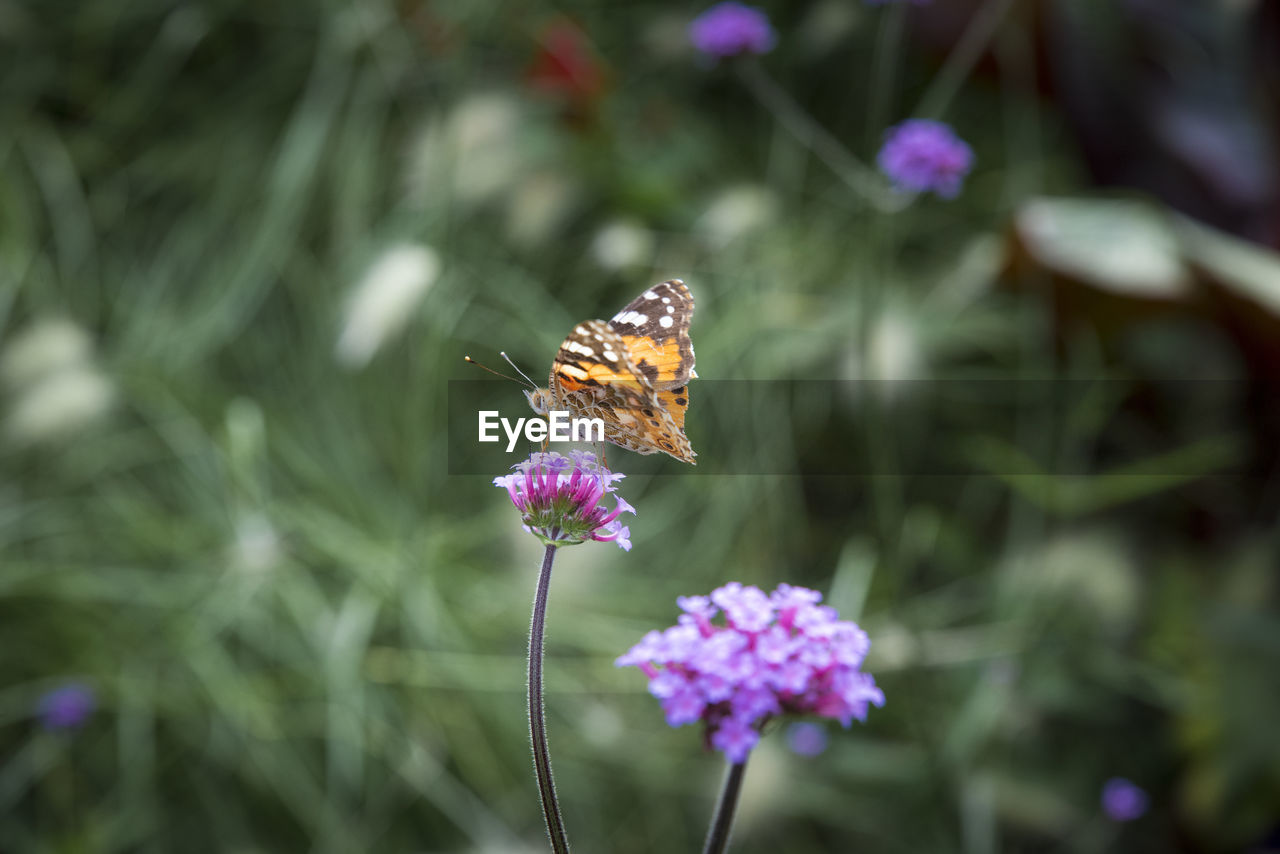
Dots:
pixel 632 372
pixel 674 401
pixel 666 423
pixel 593 364
pixel 655 327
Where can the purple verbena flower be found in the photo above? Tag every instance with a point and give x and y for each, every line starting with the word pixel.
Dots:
pixel 776 654
pixel 1122 800
pixel 559 498
pixel 728 29
pixel 921 155
pixel 66 707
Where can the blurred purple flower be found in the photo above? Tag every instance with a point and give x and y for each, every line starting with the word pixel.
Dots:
pixel 887 2
pixel 728 29
pixel 920 155
pixel 779 653
pixel 66 707
pixel 807 739
pixel 1123 800
pixel 559 498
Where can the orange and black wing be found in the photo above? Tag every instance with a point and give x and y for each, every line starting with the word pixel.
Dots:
pixel 593 363
pixel 633 372
pixel 655 327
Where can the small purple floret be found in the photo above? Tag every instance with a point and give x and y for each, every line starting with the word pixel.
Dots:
pixel 1122 800
pixel 776 654
pixel 66 707
pixel 559 498
pixel 921 155
pixel 728 29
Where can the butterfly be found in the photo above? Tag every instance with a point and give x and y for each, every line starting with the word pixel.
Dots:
pixel 632 373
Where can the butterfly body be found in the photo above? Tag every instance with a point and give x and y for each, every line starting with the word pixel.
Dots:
pixel 631 372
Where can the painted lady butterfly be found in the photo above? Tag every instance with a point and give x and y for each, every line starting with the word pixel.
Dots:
pixel 632 373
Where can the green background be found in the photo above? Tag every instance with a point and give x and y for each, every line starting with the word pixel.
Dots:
pixel 304 635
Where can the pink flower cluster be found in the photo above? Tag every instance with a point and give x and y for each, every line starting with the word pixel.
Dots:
pixel 559 499
pixel 779 653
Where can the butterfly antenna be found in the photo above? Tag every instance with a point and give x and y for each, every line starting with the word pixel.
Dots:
pixel 491 370
pixel 517 370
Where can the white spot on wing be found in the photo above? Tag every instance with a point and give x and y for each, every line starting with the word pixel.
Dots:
pixel 633 318
pixel 649 294
pixel 665 322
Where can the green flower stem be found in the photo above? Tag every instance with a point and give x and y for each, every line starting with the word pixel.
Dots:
pixel 885 57
pixel 859 177
pixel 977 37
pixel 721 826
pixel 537 717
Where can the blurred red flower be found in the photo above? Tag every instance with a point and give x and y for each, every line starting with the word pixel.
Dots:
pixel 566 65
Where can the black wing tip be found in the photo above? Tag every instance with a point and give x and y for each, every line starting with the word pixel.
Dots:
pixel 678 286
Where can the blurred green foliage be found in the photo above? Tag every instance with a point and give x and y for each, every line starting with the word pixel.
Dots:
pixel 304 635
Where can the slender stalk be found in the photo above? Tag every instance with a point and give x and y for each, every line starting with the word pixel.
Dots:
pixel 721 826
pixel 964 56
pixel 859 177
pixel 884 71
pixel 537 717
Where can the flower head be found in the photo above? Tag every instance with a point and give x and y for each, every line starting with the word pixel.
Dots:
pixel 66 707
pixel 920 155
pixel 728 29
pixel 779 653
pixel 1123 800
pixel 559 498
